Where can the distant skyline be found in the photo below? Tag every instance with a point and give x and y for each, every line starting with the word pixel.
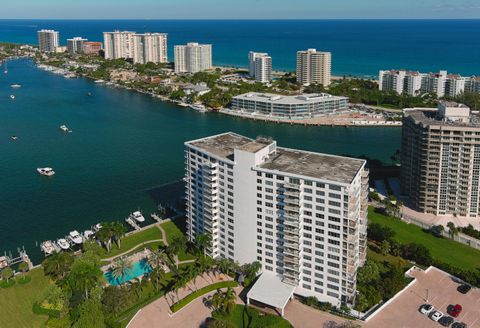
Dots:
pixel 240 9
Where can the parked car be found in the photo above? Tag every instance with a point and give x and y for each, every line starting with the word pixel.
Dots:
pixel 454 310
pixel 426 308
pixel 436 315
pixel 464 288
pixel 445 321
pixel 459 325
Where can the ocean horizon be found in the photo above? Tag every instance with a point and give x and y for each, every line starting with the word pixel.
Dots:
pixel 360 47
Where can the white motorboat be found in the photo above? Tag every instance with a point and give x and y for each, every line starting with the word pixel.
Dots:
pixel 16 86
pixel 12 96
pixel 75 237
pixel 63 243
pixel 64 128
pixel 137 216
pixel 87 234
pixel 47 171
pixel 99 81
pixel 199 108
pixel 48 247
pixel 14 138
pixel 97 227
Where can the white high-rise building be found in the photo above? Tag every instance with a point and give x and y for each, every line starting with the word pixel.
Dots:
pixel 454 85
pixel 118 44
pixel 434 83
pixel 260 66
pixel 48 40
pixel 400 81
pixel 302 215
pixel 75 45
pixel 314 67
pixel 150 47
pixel 193 57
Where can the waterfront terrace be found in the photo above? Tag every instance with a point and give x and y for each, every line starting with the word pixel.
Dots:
pixel 292 107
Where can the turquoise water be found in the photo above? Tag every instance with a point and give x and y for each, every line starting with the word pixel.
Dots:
pixel 124 147
pixel 359 47
pixel 138 268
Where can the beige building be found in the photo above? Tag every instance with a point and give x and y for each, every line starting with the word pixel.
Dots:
pixel 48 40
pixel 193 57
pixel 150 47
pixel 314 67
pixel 118 44
pixel 441 160
pixel 76 45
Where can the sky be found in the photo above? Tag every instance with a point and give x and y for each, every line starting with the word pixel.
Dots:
pixel 239 9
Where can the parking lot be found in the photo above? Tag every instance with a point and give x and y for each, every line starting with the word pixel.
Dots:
pixel 441 291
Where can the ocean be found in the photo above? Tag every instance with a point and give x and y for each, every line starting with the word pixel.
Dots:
pixel 359 47
pixel 124 153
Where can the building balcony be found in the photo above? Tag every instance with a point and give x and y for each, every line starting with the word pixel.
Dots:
pixel 292 201
pixel 293 209
pixel 291 251
pixel 291 237
pixel 292 193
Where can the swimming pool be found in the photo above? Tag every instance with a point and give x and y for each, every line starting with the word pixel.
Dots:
pixel 138 268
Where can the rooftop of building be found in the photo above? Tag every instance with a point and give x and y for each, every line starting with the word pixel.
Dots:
pixel 452 115
pixel 293 161
pixel 298 99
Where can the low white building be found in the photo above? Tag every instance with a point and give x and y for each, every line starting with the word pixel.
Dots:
pixel 302 215
pixel 200 89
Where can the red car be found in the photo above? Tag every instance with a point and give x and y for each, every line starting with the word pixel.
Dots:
pixel 455 310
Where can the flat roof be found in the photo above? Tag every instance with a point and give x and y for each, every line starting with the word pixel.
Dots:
pixel 316 165
pixel 428 116
pixel 269 289
pixel 281 99
pixel 222 145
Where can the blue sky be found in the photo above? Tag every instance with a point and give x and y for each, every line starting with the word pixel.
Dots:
pixel 231 9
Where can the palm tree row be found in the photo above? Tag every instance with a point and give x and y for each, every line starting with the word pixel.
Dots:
pixel 111 231
pixel 224 301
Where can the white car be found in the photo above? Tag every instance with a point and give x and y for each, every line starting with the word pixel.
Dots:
pixel 426 308
pixel 436 315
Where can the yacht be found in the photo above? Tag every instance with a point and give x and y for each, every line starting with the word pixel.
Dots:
pixel 64 128
pixel 75 237
pixel 199 108
pixel 12 96
pixel 87 234
pixel 99 81
pixel 15 86
pixel 48 247
pixel 63 243
pixel 47 171
pixel 137 216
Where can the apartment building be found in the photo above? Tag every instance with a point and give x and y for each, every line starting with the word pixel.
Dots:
pixel 150 47
pixel 76 45
pixel 48 40
pixel 302 215
pixel 118 44
pixel 260 66
pixel 441 160
pixel 193 57
pixel 415 83
pixel 314 67
pixel 472 84
pixel 92 48
pixel 289 107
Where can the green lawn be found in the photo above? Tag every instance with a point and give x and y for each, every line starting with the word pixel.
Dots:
pixel 133 240
pixel 16 302
pixel 202 291
pixel 243 317
pixel 443 249
pixel 172 231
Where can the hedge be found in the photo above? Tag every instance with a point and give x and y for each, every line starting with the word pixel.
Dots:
pixel 202 291
pixel 38 309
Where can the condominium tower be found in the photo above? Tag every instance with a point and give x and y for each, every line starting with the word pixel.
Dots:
pixel 441 160
pixel 302 215
pixel 118 44
pixel 193 57
pixel 260 66
pixel 150 47
pixel 314 67
pixel 48 40
pixel 76 45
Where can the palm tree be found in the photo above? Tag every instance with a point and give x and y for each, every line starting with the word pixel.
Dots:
pixel 23 266
pixel 203 241
pixel 58 265
pixel 118 231
pixel 227 266
pixel 452 229
pixel 229 300
pixel 177 246
pixel 157 258
pixel 85 276
pixel 121 268
pixel 7 273
pixel 251 269
pixel 157 275
pixel 104 235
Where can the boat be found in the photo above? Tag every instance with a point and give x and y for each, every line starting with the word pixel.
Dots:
pixel 137 216
pixel 75 237
pixel 97 227
pixel 47 171
pixel 4 262
pixel 64 128
pixel 12 96
pixel 63 243
pixel 48 247
pixel 199 108
pixel 14 137
pixel 99 81
pixel 16 86
pixel 87 234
